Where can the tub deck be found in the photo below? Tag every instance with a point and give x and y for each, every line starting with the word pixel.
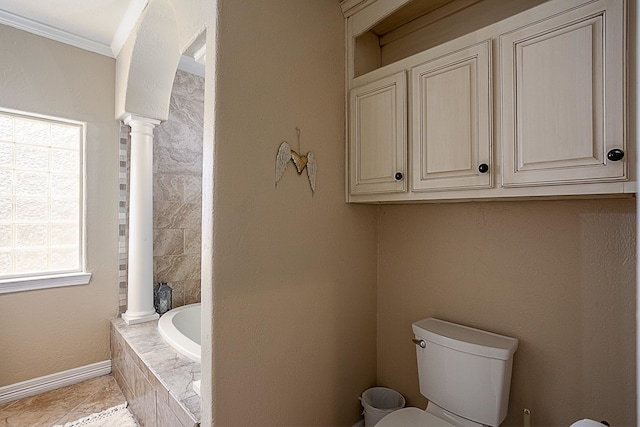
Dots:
pixel 156 380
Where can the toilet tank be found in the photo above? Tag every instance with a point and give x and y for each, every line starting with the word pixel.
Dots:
pixel 465 371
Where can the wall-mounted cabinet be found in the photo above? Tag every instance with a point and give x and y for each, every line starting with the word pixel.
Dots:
pixel 451 121
pixel 378 148
pixel 562 103
pixel 514 107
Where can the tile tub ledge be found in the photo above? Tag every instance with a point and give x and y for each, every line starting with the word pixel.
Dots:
pixel 156 380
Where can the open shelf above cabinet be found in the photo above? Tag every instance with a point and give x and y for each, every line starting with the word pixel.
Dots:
pixel 414 26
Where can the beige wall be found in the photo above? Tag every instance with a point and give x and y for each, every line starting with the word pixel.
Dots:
pixel 293 272
pixel 557 275
pixel 48 331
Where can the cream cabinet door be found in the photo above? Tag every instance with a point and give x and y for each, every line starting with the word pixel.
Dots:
pixel 562 98
pixel 377 136
pixel 451 121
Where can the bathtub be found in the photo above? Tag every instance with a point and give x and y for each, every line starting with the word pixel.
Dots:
pixel 180 327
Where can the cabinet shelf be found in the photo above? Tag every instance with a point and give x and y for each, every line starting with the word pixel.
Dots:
pixel 385 32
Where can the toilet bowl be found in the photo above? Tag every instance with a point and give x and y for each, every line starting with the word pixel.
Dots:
pixel 433 416
pixel 418 417
pixel 412 417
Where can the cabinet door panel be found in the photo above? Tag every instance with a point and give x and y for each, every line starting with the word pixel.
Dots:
pixel 448 95
pixel 451 114
pixel 560 116
pixel 378 136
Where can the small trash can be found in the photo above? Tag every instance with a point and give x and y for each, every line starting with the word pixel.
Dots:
pixel 378 402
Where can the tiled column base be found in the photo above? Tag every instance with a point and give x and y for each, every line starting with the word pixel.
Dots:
pixel 156 380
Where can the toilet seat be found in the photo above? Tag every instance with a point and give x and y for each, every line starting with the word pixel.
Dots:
pixel 412 417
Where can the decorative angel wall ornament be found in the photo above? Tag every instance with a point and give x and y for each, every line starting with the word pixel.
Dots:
pixel 285 153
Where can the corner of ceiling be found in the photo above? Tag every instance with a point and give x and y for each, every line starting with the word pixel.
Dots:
pixel 127 24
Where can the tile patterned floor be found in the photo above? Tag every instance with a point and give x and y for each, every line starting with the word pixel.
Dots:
pixel 62 405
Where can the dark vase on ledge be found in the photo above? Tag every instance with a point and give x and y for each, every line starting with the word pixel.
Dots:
pixel 162 298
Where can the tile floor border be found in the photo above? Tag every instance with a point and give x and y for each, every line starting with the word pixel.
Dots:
pixel 62 405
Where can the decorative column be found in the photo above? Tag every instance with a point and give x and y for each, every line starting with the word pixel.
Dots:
pixel 140 280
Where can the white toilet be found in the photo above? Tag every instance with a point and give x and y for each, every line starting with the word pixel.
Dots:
pixel 464 372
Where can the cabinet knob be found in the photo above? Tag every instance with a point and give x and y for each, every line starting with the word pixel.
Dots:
pixel 615 155
pixel 483 168
pixel 398 176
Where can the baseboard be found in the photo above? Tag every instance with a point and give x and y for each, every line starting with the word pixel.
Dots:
pixel 39 385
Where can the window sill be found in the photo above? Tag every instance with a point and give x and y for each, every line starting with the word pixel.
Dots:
pixel 43 282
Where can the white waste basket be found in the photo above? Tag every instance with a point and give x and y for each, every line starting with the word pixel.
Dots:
pixel 378 402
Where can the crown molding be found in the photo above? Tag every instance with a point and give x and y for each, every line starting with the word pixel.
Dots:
pixel 349 7
pixel 44 30
pixel 126 26
pixel 191 66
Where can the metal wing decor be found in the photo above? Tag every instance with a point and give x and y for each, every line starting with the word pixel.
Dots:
pixel 282 160
pixel 311 170
pixel 285 153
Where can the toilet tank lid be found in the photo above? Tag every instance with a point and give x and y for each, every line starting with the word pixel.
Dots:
pixel 465 339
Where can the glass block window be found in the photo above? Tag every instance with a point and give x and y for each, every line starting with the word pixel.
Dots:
pixel 41 195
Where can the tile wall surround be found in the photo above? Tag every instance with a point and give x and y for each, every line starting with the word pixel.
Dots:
pixel 123 216
pixel 156 380
pixel 177 193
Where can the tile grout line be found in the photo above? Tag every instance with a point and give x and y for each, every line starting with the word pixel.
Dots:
pixel 80 403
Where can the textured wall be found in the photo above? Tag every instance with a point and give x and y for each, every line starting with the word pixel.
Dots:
pixel 177 191
pixel 53 330
pixel 557 275
pixel 293 272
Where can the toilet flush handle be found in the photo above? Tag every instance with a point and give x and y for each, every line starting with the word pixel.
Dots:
pixel 421 343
